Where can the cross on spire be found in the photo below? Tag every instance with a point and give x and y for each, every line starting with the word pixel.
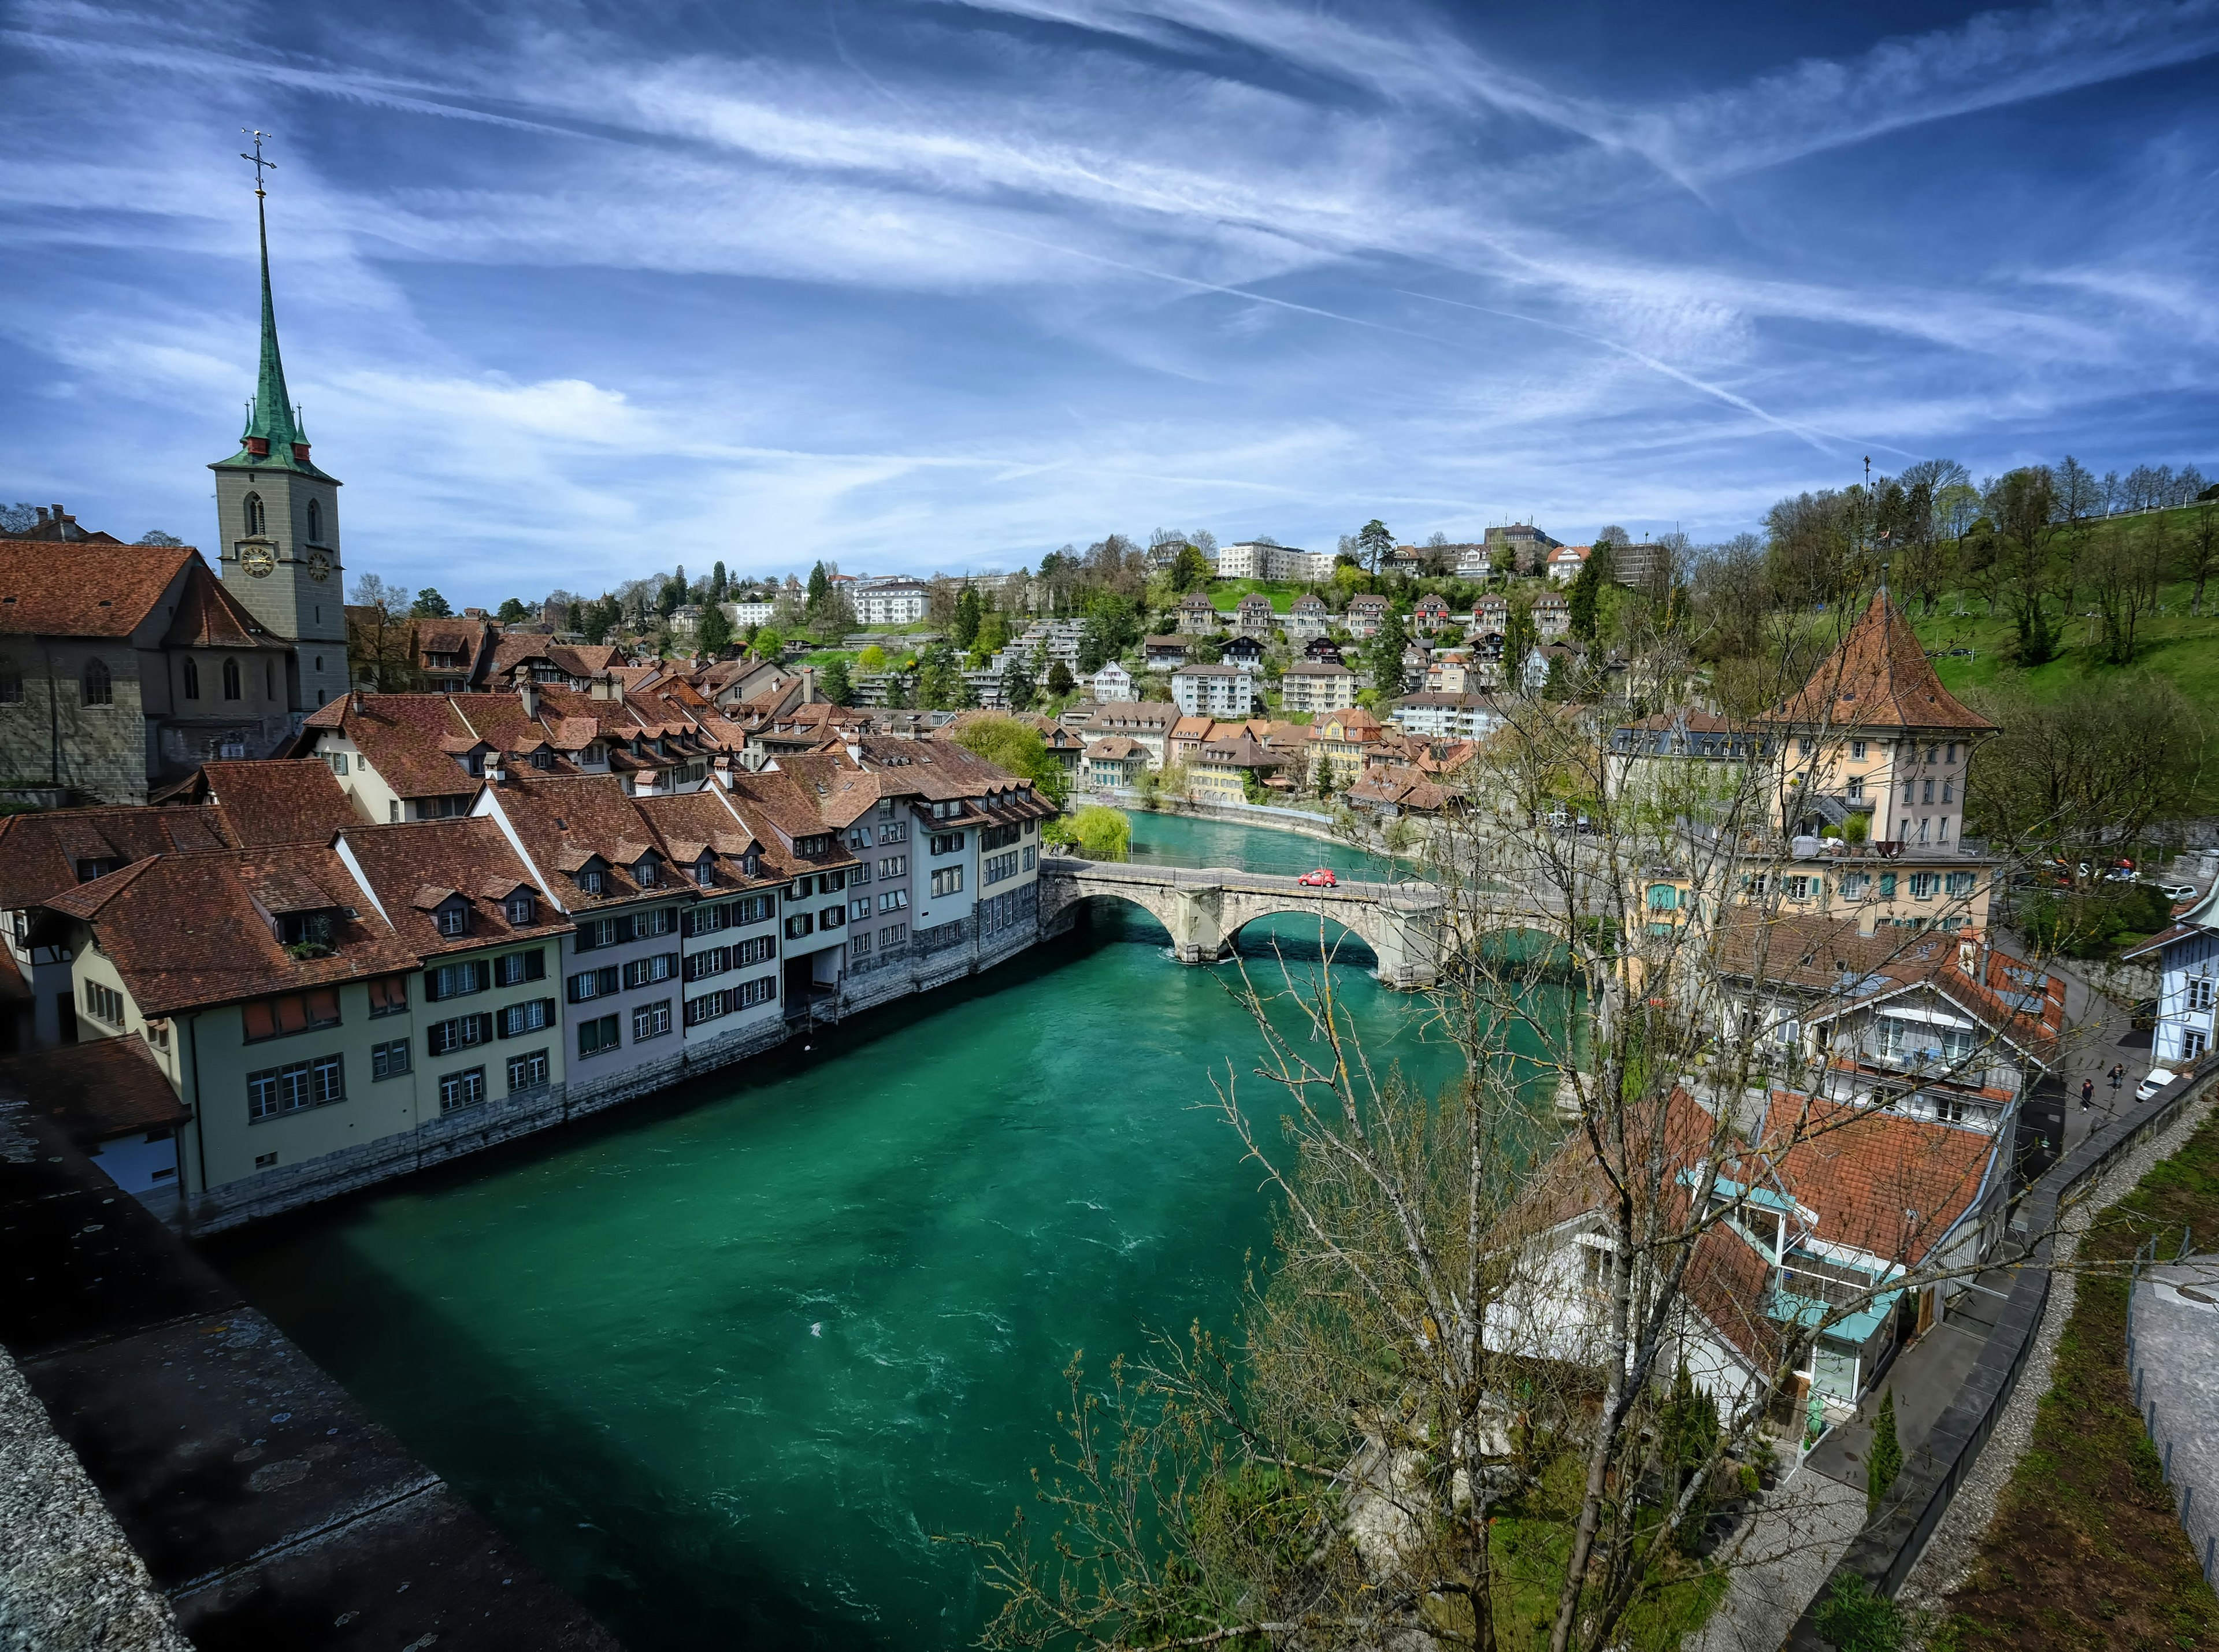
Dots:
pixel 255 160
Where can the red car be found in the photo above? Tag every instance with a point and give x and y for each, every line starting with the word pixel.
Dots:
pixel 1321 879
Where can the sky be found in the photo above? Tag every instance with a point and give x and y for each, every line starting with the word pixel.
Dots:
pixel 572 292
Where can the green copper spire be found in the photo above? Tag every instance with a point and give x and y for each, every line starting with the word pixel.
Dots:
pixel 273 418
pixel 274 438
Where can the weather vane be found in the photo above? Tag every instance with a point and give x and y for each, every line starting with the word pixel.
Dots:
pixel 256 158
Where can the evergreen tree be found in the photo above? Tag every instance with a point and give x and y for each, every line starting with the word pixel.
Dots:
pixel 834 683
pixel 1883 1457
pixel 1382 656
pixel 1517 640
pixel 1583 599
pixel 718 584
pixel 511 612
pixel 1190 569
pixel 574 620
pixel 970 613
pixel 715 634
pixel 1017 685
pixel 1558 685
pixel 1059 680
pixel 820 583
pixel 1375 541
pixel 430 605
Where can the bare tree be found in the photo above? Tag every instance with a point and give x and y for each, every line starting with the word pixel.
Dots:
pixel 1514 1341
pixel 2199 554
pixel 2122 564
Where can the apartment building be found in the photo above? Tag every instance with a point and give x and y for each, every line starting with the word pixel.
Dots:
pixel 1365 614
pixel 1213 690
pixel 1198 616
pixel 1452 717
pixel 1308 618
pixel 1318 685
pixel 896 602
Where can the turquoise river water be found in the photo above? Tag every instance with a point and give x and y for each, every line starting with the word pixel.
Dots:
pixel 726 1362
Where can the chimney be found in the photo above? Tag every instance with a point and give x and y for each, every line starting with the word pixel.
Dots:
pixel 809 686
pixel 42 516
pixel 527 691
pixel 1868 923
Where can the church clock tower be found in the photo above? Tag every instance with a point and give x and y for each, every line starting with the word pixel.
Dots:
pixel 278 519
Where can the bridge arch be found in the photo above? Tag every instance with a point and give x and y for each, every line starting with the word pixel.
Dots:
pixel 1341 938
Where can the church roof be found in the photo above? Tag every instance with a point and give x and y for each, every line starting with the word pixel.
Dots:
pixel 209 616
pixel 93 589
pixel 1877 677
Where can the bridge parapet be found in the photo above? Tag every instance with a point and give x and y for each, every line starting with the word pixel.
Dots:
pixel 1203 907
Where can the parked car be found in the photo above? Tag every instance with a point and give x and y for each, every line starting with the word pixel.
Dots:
pixel 2154 1081
pixel 1321 878
pixel 2177 891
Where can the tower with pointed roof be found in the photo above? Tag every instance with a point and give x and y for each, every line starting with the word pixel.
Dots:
pixel 277 517
pixel 1873 732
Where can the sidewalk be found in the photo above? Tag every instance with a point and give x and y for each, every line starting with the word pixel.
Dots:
pixel 2174 1320
pixel 1807 1522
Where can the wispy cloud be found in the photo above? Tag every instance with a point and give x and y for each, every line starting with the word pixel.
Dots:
pixel 954 283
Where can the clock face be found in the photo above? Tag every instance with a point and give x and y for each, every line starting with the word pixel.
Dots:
pixel 259 560
pixel 320 566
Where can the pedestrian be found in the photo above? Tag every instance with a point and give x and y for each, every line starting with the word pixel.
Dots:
pixel 2087 1093
pixel 2118 1072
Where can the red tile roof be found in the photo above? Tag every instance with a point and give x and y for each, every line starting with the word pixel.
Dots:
pixel 90 589
pixel 99 1090
pixel 296 800
pixel 184 931
pixel 1883 1182
pixel 39 853
pixel 465 856
pixel 209 616
pixel 1879 677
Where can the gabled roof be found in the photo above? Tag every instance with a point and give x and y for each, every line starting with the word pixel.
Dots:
pixel 184 930
pixel 39 853
pixel 92 589
pixel 1879 1180
pixel 99 1090
pixel 209 616
pixel 1879 678
pixel 462 857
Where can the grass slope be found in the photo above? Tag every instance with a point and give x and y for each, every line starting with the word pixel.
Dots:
pixel 2085 1550
pixel 2171 642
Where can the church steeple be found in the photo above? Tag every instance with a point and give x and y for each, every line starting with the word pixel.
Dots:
pixel 278 516
pixel 274 438
pixel 272 419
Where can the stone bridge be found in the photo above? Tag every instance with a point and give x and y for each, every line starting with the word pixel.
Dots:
pixel 1205 908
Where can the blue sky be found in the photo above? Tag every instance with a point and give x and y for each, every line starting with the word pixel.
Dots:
pixel 572 292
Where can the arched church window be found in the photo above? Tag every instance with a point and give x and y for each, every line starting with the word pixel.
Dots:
pixel 11 683
pixel 99 689
pixel 253 507
pixel 231 679
pixel 315 522
pixel 192 679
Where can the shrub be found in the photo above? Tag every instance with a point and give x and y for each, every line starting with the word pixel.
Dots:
pixel 1884 1458
pixel 1857 1619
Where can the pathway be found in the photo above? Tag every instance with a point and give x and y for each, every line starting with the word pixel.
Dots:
pixel 2175 1352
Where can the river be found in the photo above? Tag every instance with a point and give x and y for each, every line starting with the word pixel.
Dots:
pixel 726 1362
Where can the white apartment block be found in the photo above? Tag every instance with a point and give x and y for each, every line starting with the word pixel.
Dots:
pixel 1251 561
pixel 1319 685
pixel 1213 690
pixel 895 603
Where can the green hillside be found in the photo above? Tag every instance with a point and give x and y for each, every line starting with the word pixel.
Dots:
pixel 2171 642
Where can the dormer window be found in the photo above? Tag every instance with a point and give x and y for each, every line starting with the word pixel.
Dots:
pixel 542 758
pixel 590 883
pixel 751 863
pixel 704 872
pixel 453 918
pixel 305 934
pixel 523 909
pixel 644 872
